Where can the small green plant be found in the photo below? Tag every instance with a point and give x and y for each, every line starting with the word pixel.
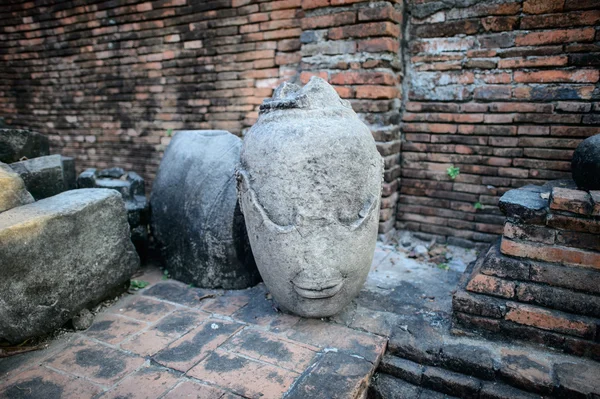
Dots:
pixel 453 172
pixel 166 275
pixel 169 132
pixel 138 284
pixel 477 205
pixel 443 266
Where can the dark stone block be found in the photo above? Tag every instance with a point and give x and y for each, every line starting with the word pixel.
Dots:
pixel 114 173
pixel 385 386
pixel 585 165
pixel 16 144
pixel 524 205
pixel 477 361
pixel 451 383
pixel 69 172
pixel 496 390
pixel 87 178
pixel 43 176
pixel 402 368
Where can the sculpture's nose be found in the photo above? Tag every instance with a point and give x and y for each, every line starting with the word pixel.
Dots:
pixel 323 283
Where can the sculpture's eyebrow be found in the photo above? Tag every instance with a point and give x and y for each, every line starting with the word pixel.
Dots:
pixel 368 207
pixel 244 187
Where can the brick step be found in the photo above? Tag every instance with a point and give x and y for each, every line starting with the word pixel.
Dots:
pixel 401 378
pixel 385 386
pixel 571 333
pixel 516 298
pixel 466 366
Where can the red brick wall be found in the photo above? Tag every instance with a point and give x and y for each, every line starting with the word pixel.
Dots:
pixel 110 80
pixel 502 90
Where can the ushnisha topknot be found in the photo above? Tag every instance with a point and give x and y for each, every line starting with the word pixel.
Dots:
pixel 316 94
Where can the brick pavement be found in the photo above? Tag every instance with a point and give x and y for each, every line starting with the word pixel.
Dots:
pixel 172 341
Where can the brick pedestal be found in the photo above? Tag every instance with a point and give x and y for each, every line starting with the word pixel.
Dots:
pixel 541 281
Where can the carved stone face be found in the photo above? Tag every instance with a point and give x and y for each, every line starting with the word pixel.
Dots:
pixel 309 187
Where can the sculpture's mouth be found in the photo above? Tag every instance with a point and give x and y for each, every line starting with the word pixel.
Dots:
pixel 317 289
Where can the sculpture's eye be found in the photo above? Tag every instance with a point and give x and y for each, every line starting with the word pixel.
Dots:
pixel 353 218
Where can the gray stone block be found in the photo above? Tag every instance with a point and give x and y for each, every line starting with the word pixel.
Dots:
pixel 195 214
pixel 60 255
pixel 18 143
pixel 43 176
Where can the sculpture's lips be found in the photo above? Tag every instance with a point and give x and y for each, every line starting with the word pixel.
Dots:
pixel 317 290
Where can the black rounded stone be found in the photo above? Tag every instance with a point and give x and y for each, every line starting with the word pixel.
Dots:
pixel 585 165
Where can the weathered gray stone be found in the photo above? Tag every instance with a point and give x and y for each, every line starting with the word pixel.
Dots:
pixel 524 205
pixel 18 143
pixel 310 186
pixel 69 172
pixel 43 176
pixel 12 189
pixel 83 320
pixel 195 218
pixel 60 255
pixel 87 178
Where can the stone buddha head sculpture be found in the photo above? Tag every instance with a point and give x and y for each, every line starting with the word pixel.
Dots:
pixel 309 185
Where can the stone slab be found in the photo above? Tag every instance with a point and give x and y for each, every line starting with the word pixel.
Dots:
pixel 59 255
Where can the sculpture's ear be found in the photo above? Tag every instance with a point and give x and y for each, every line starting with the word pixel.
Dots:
pixel 247 198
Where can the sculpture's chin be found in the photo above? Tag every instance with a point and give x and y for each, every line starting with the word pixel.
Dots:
pixel 309 293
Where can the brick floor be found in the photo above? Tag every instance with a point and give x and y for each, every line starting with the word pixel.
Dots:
pixel 174 341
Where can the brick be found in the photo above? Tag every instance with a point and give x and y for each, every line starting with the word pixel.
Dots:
pixel 113 329
pixel 575 201
pixel 542 7
pixel 580 76
pixel 484 284
pixel 243 376
pixel 190 389
pixel 377 45
pixel 513 63
pixel 164 332
pixel 566 255
pixel 369 78
pixel 326 335
pixel 329 20
pixel 375 92
pixel 365 30
pixel 148 381
pixel 595 195
pixel 99 364
pixel 381 13
pixel 270 348
pixel 559 298
pixel 346 375
pixel 526 232
pixel 556 36
pixel 38 381
pixel 521 369
pixel 564 222
pixel 563 20
pixel 194 346
pixel 548 320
